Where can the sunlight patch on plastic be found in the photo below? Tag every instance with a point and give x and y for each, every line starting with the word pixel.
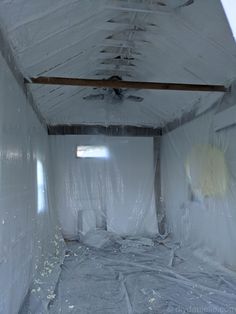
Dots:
pixel 230 11
pixel 40 187
pixel 207 171
pixel 92 152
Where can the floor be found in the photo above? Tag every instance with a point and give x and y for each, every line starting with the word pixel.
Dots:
pixel 109 275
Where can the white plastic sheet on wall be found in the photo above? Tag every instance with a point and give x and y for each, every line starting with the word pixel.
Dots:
pixel 198 184
pixel 115 193
pixel 29 231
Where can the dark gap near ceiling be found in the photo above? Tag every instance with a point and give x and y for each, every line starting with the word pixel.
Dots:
pixel 111 130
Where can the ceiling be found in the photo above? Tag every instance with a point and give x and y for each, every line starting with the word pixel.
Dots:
pixel 183 41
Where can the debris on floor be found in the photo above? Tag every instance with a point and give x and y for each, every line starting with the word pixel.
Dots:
pixel 140 276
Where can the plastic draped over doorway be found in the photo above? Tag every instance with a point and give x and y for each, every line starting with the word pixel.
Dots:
pixel 198 176
pixel 105 182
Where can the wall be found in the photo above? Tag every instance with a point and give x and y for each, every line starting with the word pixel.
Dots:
pixel 114 193
pixel 205 224
pixel 27 222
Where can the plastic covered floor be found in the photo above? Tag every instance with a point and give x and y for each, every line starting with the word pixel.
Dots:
pixel 106 274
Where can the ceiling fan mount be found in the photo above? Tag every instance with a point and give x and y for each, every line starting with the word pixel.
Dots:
pixel 113 94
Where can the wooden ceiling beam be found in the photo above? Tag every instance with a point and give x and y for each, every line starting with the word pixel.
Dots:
pixel 125 84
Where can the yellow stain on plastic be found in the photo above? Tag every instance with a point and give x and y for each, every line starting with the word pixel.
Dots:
pixel 207 170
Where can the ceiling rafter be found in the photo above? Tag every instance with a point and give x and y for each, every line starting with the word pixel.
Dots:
pixel 80 27
pixel 66 48
pixel 217 44
pixel 59 101
pixel 126 84
pixel 149 6
pixel 40 15
pixel 140 9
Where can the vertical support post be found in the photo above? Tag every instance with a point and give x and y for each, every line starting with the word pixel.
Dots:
pixel 161 217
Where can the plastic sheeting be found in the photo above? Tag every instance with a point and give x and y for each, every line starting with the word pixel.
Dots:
pixel 115 193
pixel 198 182
pixel 139 275
pixel 184 45
pixel 117 269
pixel 29 230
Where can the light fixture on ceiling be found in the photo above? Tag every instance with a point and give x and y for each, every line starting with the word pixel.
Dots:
pixel 113 94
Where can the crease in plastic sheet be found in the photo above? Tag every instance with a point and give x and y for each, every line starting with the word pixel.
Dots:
pixel 198 182
pixel 115 192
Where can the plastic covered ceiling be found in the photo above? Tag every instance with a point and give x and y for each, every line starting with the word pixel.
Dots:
pixel 154 40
